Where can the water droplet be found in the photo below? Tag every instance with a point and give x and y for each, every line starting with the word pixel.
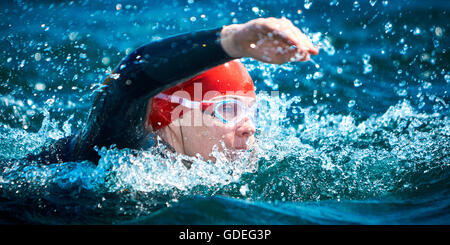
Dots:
pixel 106 60
pixel 37 56
pixel 317 75
pixel 436 43
pixel 388 27
pixel 402 92
pixel 39 86
pixel 447 78
pixel 367 68
pixel 351 103
pixel 438 31
pixel 115 76
pixel 244 189
pixel 307 4
pixel 404 49
pixel 426 85
pixel 366 58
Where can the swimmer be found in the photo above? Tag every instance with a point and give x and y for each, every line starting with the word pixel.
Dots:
pixel 161 88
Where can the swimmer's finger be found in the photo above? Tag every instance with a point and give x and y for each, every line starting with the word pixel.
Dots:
pixel 305 40
pixel 298 37
pixel 295 54
pixel 306 43
pixel 279 31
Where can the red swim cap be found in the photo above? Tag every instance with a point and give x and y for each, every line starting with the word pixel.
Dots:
pixel 229 78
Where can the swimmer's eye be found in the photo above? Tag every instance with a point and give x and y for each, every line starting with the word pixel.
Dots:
pixel 229 110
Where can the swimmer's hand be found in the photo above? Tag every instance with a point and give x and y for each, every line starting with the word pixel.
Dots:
pixel 269 40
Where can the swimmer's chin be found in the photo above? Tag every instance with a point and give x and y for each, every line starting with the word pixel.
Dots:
pixel 245 147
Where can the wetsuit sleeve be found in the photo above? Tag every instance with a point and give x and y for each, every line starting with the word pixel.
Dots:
pixel 118 112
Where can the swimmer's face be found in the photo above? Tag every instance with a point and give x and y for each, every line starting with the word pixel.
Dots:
pixel 200 139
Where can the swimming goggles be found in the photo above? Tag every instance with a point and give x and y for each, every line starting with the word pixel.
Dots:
pixel 228 111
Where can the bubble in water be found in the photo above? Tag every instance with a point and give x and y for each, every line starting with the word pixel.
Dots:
pixel 356 4
pixel 307 4
pixel 372 2
pixel 417 31
pixel 388 27
pixel 447 78
pixel 385 3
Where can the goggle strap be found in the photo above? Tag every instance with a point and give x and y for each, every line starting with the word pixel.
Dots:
pixel 179 100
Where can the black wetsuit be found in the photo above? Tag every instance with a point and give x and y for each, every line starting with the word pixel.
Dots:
pixel 118 113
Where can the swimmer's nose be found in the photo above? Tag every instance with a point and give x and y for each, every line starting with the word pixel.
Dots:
pixel 245 128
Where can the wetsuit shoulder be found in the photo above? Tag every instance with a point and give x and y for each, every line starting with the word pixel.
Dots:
pixel 119 109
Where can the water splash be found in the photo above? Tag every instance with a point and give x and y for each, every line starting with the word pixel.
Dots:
pixel 328 156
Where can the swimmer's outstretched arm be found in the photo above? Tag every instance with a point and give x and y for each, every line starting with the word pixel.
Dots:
pixel 269 40
pixel 118 112
pixel 162 64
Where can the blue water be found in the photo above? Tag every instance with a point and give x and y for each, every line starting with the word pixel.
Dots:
pixel 360 135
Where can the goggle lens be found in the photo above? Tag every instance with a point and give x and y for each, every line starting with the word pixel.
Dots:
pixel 232 111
